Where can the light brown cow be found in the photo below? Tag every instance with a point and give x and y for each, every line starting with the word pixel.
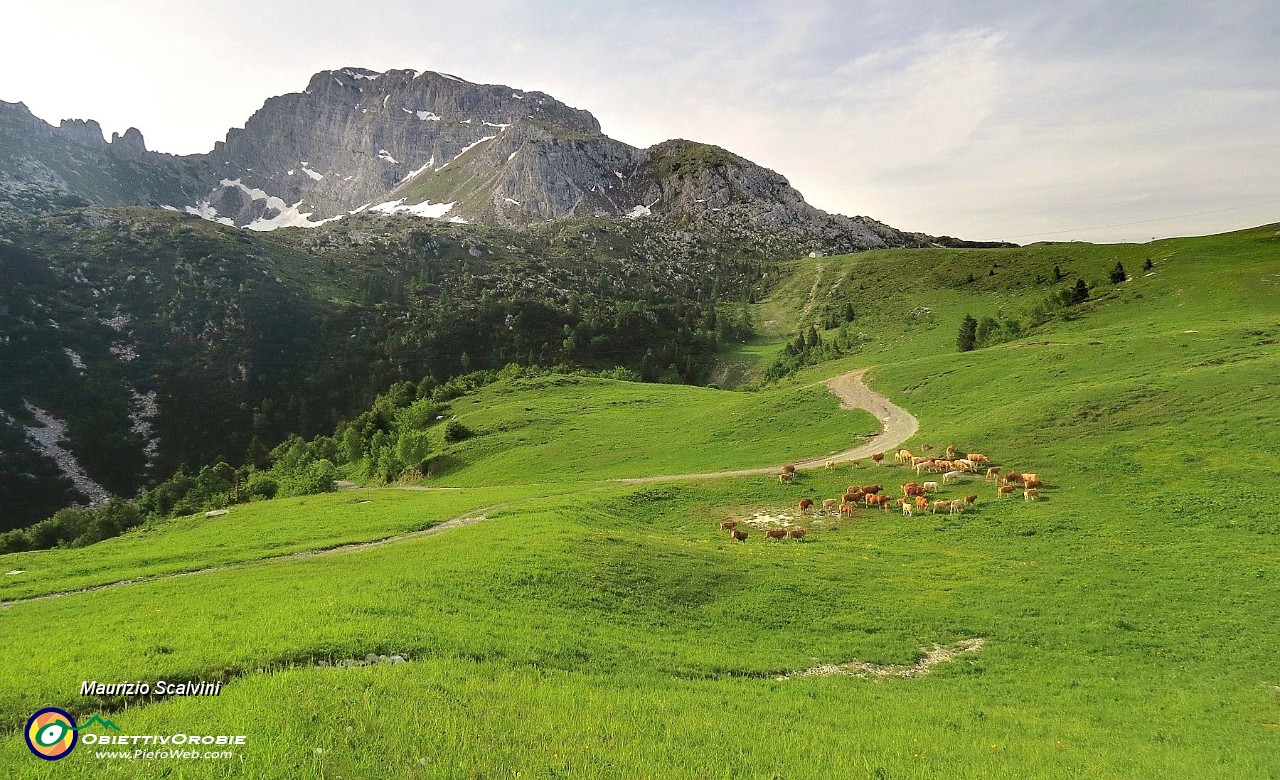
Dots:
pixel 738 535
pixel 789 468
pixel 728 525
pixel 971 500
pixel 829 503
pixel 805 505
pixel 797 533
pixel 786 479
pixel 1033 483
pixel 1004 490
pixel 993 472
pixel 855 464
pixel 904 456
pixel 958 506
pixel 941 503
pixel 1030 478
pixel 830 464
pixel 1031 494
pixel 951 451
pixel 951 476
pixel 976 457
pixel 907 507
pixel 776 533
pixel 846 508
pixel 922 503
pixel 1012 478
pixel 926 447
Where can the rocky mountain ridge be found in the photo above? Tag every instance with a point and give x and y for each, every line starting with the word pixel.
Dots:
pixel 424 144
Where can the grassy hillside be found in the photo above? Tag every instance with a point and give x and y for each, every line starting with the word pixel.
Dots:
pixel 592 629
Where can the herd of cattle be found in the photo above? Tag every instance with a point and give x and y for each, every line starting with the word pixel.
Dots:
pixel 915 495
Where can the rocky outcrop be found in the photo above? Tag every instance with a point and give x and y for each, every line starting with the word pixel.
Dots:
pixel 426 144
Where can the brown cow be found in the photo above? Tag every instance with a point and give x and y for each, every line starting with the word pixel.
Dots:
pixel 971 500
pixel 1033 483
pixel 789 468
pixel 850 498
pixel 872 489
pixel 922 503
pixel 829 503
pixel 855 464
pixel 941 503
pixel 926 447
pixel 805 505
pixel 1004 490
pixel 878 458
pixel 1031 494
pixel 846 509
pixel 797 533
pixel 738 535
pixel 786 479
pixel 1012 478
pixel 976 457
pixel 951 451
pixel 993 472
pixel 883 502
pixel 1030 478
pixel 776 533
pixel 728 525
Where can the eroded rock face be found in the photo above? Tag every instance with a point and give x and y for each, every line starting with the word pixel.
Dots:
pixel 426 144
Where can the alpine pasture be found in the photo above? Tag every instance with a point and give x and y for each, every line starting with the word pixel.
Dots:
pixel 583 627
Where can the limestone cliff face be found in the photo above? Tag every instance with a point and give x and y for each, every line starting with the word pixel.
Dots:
pixel 425 144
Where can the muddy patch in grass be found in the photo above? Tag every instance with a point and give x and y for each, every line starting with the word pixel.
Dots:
pixel 933 656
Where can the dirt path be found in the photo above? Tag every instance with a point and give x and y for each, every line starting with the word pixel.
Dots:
pixel 897 425
pixel 935 655
pixel 448 525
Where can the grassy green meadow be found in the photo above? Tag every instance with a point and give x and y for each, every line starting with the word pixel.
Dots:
pixel 592 629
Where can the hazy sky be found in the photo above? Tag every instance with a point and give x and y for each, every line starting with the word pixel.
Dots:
pixel 1018 120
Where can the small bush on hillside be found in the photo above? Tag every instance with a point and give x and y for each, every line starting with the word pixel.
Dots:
pixel 456 431
pixel 1117 274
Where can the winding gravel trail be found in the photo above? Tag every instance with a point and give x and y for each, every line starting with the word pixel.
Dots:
pixel 897 425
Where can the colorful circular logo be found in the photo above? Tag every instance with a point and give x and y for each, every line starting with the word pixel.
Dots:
pixel 51 733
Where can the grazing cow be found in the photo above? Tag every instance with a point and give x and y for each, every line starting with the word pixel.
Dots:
pixel 922 503
pixel 941 503
pixel 738 535
pixel 951 451
pixel 1004 490
pixel 805 505
pixel 829 503
pixel 855 464
pixel 872 489
pixel 926 447
pixel 1033 483
pixel 1012 478
pixel 776 533
pixel 957 506
pixel 904 456
pixel 976 457
pixel 1030 478
pixel 964 464
pixel 993 472
pixel 797 533
pixel 907 508
pixel 789 469
pixel 951 476
pixel 917 461
pixel 882 502
pixel 971 500
pixel 846 508
pixel 830 464
pixel 913 490
pixel 1031 494
pixel 850 498
pixel 878 458
pixel 786 479
pixel 728 525
pixel 931 487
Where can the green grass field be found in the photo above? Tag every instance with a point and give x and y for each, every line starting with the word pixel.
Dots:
pixel 592 629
